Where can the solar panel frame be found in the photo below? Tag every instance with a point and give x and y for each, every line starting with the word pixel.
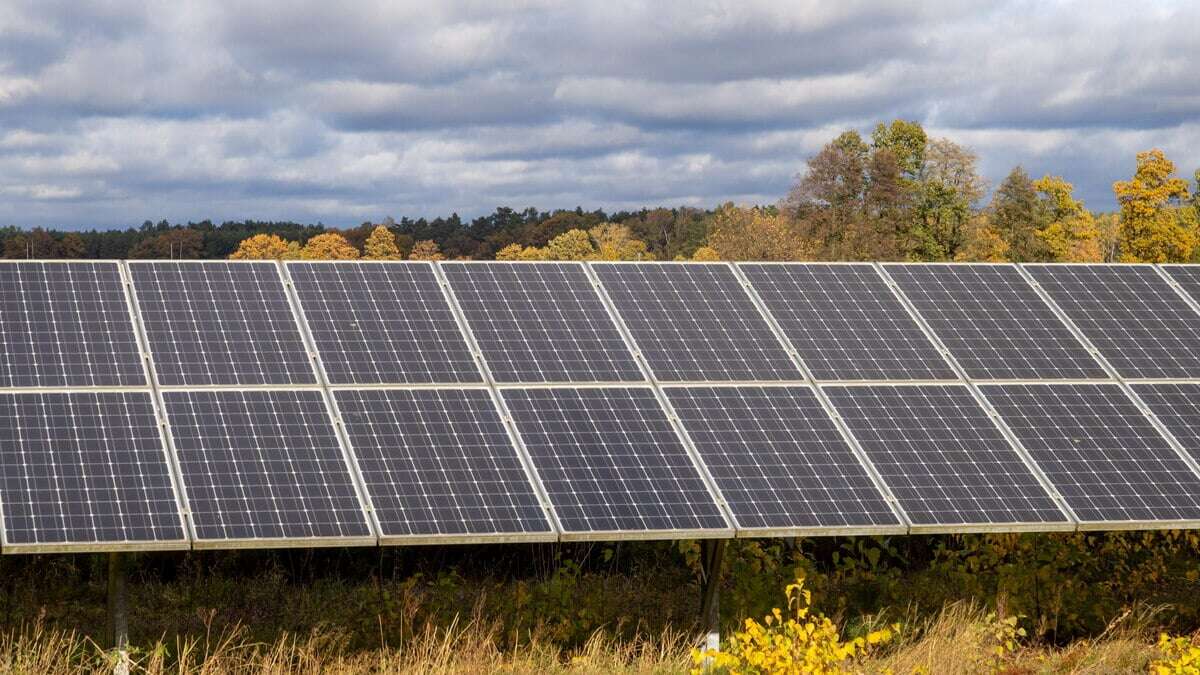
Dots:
pixel 1067 522
pixel 567 534
pixel 937 370
pixel 1086 364
pixel 348 462
pixel 785 368
pixel 1185 279
pixel 156 368
pixel 1091 330
pixel 463 376
pixel 550 535
pixel 130 313
pixel 181 544
pixel 1126 392
pixel 617 363
pixel 900 525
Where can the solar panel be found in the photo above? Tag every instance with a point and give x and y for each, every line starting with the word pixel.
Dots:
pixel 382 323
pixel 942 456
pixel 1131 314
pixel 1099 451
pixel 846 323
pixel 778 459
pixel 66 324
pixel 82 468
pixel 540 322
pixel 261 465
pixel 439 462
pixel 1177 406
pixel 994 323
pixel 1187 276
pixel 611 462
pixel 220 323
pixel 695 322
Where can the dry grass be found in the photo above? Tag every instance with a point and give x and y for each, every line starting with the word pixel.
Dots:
pixel 959 640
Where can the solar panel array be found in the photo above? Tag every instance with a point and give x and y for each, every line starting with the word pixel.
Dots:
pixel 159 405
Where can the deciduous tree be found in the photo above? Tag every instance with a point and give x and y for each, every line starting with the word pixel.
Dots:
pixel 266 247
pixel 1153 227
pixel 1072 234
pixel 737 233
pixel 381 245
pixel 616 242
pixel 328 246
pixel 1017 217
pixel 426 249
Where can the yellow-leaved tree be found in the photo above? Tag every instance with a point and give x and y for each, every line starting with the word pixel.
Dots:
pixel 328 246
pixel 266 247
pixel 381 245
pixel 706 254
pixel 1154 226
pixel 606 241
pixel 983 242
pixel 1072 234
pixel 737 233
pixel 426 249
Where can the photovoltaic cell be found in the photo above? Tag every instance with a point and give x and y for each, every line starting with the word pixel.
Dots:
pixel 1099 451
pixel 778 459
pixel 439 462
pixel 262 465
pixel 846 323
pixel 994 323
pixel 695 322
pixel 942 456
pixel 66 324
pixel 382 323
pixel 84 468
pixel 1131 314
pixel 611 461
pixel 220 323
pixel 540 322
pixel 1187 276
pixel 1177 406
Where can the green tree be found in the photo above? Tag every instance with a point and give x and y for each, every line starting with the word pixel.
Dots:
pixel 1017 217
pixel 179 243
pixel 72 246
pixel 905 140
pixel 1153 226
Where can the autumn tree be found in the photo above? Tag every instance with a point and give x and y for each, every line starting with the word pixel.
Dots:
pixel 328 246
pixel 1154 227
pixel 266 247
pixel 1071 233
pixel 948 185
pixel 179 243
pixel 737 233
pixel 706 254
pixel 37 243
pixel 615 242
pixel 1017 217
pixel 669 233
pixel 381 245
pixel 72 246
pixel 906 141
pixel 983 242
pixel 426 249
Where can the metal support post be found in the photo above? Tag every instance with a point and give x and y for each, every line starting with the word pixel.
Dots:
pixel 712 554
pixel 118 618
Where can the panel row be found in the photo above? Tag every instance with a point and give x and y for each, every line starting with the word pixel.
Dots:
pixel 70 324
pixel 266 467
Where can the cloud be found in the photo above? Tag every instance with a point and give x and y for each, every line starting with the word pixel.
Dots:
pixel 117 112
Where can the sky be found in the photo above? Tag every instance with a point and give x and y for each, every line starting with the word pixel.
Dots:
pixel 115 112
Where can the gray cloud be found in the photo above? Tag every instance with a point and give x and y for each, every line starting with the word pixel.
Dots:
pixel 111 113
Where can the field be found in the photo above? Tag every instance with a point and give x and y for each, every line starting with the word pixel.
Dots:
pixel 1000 603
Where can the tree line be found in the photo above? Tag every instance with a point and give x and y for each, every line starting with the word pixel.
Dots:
pixel 897 195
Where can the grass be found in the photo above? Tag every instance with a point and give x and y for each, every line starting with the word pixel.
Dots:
pixel 957 640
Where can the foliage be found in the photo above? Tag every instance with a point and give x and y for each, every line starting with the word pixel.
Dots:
pixel 1153 226
pixel 381 245
pixel 426 249
pixel 706 254
pixel 1181 656
pixel 738 233
pixel 179 244
pixel 328 246
pixel 1072 234
pixel 606 241
pixel 804 642
pixel 266 247
pixel 983 243
pixel 1017 218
